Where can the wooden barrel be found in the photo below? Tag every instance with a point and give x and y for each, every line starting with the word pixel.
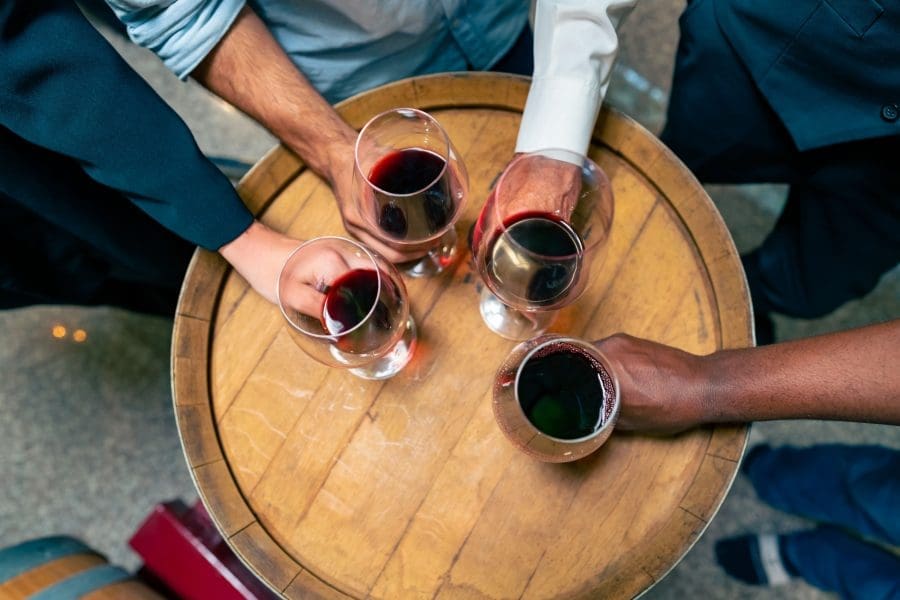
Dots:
pixel 63 568
pixel 331 486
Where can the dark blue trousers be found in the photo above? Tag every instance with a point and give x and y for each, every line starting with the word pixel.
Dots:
pixel 854 493
pixel 840 230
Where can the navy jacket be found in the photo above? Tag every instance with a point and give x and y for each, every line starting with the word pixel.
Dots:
pixel 829 68
pixel 65 89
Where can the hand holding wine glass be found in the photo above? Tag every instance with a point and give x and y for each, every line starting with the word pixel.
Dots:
pixel 347 307
pixel 547 185
pixel 410 186
pixel 304 287
pixel 556 398
pixel 342 182
pixel 543 223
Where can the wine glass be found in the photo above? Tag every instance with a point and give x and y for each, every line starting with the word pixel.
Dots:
pixel 355 316
pixel 556 398
pixel 544 222
pixel 410 186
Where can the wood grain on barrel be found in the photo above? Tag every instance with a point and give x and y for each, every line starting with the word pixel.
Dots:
pixel 332 486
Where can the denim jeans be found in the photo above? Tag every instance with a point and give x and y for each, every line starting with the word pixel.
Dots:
pixel 854 493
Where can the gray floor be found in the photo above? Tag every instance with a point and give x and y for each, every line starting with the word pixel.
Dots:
pixel 87 439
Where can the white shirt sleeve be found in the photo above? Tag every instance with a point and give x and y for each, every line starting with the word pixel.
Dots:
pixel 180 32
pixel 575 45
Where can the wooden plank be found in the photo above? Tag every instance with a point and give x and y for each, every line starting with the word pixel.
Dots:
pixel 124 590
pixel 190 340
pixel 274 396
pixel 34 580
pixel 494 90
pixel 449 511
pixel 221 497
pixel 362 107
pixel 199 292
pixel 659 266
pixel 604 513
pixel 307 587
pixel 270 562
pixel 198 434
pixel 712 482
pixel 728 441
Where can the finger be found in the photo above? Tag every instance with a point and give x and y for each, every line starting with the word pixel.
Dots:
pixel 299 296
pixel 326 266
pixel 302 288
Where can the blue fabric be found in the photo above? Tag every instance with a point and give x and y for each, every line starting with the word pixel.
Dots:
pixel 832 560
pixel 840 230
pixel 83 582
pixel 23 557
pixel 854 491
pixel 181 33
pixel 67 91
pixel 343 48
pixel 826 67
pixel 101 182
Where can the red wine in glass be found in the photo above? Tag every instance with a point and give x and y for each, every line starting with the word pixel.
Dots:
pixel 535 260
pixel 349 301
pixel 561 391
pixel 413 193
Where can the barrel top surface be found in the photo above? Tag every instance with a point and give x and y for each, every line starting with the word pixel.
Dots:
pixel 330 486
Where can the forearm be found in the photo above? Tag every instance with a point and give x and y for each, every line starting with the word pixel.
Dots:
pixel 852 375
pixel 250 70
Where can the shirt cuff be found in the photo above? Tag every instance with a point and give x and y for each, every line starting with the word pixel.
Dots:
pixel 560 113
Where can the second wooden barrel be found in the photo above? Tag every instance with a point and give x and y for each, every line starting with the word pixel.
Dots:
pixel 64 568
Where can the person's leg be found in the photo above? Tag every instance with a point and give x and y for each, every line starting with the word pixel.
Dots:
pixel 832 560
pixel 855 487
pixel 825 557
pixel 840 230
pixel 718 122
pixel 67 240
pixel 837 235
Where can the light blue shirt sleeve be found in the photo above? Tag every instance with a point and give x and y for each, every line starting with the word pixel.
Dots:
pixel 180 32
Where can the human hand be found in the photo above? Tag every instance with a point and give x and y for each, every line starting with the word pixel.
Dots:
pixel 259 254
pixel 547 185
pixel 308 276
pixel 661 389
pixel 533 183
pixel 342 184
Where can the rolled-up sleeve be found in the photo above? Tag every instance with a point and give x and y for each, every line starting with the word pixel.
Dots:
pixel 180 32
pixel 575 45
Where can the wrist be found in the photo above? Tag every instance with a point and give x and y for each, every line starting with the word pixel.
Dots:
pixel 711 384
pixel 327 153
pixel 258 255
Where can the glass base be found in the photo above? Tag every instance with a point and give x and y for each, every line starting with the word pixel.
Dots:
pixel 396 358
pixel 510 323
pixel 437 260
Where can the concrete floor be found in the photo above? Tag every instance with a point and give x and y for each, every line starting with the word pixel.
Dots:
pixel 87 439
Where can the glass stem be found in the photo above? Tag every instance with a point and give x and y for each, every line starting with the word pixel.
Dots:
pixel 510 323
